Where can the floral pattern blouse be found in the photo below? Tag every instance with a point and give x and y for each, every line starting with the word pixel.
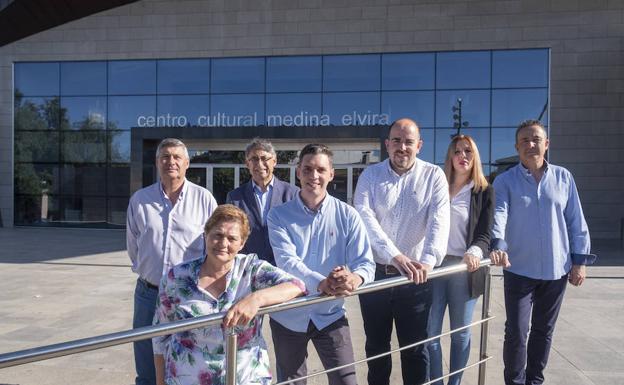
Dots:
pixel 197 357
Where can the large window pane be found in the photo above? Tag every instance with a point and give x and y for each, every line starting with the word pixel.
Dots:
pixel 520 68
pixel 83 113
pixel 294 110
pixel 503 145
pixel 428 148
pixel 37 113
pixel 510 107
pixel 83 179
pixel 36 209
pixel 117 208
pixel 480 135
pixel 36 146
pixel 40 79
pixel 125 112
pixel 182 110
pixel 353 108
pixel 184 76
pixel 119 146
pixel 118 182
pixel 456 70
pixel 475 108
pixel 83 78
pixel 132 77
pixel 294 74
pixel 222 183
pixel 351 73
pixel 83 209
pixel 36 179
pixel 237 110
pixel 238 75
pixel 416 105
pixel 408 71
pixel 84 146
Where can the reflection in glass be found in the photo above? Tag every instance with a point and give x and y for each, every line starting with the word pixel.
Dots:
pixel 125 112
pixel 83 78
pixel 428 146
pixel 520 68
pixel 504 145
pixel 197 176
pixel 294 110
pixel 408 71
pixel 131 77
pixel 36 179
pixel 181 110
pixel 222 183
pixel 294 74
pixel 236 110
pixel 36 209
pixel 84 146
pixel 239 75
pixel 353 108
pixel 37 113
pixel 510 107
pixel 41 79
pixel 37 146
pixel 416 105
pixel 481 136
pixel 282 173
pixel 80 179
pixel 117 211
pixel 338 187
pixel 83 113
pixel 119 146
pixel 456 70
pixel 184 76
pixel 351 73
pixel 83 209
pixel 475 108
pixel 118 182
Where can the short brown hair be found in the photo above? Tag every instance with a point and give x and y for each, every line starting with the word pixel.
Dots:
pixel 229 213
pixel 316 149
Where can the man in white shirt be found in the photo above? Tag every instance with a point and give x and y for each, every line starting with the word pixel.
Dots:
pixel 164 228
pixel 404 203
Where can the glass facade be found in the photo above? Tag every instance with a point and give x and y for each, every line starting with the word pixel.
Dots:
pixel 73 120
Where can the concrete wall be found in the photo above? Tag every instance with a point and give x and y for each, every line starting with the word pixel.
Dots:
pixel 586 38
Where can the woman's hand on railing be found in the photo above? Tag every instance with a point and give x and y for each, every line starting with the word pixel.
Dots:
pixel 472 262
pixel 500 258
pixel 243 311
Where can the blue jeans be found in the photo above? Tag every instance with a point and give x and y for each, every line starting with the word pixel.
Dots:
pixel 144 307
pixel 407 307
pixel 451 290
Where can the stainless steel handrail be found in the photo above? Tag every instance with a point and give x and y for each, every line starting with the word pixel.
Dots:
pixel 98 342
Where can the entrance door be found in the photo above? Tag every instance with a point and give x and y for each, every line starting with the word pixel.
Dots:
pixel 222 169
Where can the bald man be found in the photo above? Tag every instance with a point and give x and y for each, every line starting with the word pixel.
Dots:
pixel 404 203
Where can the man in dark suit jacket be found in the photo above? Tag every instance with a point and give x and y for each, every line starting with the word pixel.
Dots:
pixel 256 197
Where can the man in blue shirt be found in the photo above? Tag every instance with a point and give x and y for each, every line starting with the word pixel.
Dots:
pixel 539 222
pixel 322 241
pixel 256 197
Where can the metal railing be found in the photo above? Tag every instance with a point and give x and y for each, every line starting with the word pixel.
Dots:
pixel 98 342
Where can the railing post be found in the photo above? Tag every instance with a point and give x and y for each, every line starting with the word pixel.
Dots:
pixel 485 313
pixel 230 357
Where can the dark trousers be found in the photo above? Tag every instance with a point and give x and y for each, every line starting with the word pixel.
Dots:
pixel 535 302
pixel 332 343
pixel 145 298
pixel 408 307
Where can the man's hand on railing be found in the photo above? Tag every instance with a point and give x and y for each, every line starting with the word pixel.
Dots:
pixel 340 282
pixel 414 271
pixel 500 258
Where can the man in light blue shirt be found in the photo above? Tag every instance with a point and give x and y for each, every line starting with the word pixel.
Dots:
pixel 164 227
pixel 322 241
pixel 539 221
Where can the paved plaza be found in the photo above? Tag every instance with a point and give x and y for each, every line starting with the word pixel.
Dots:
pixel 58 285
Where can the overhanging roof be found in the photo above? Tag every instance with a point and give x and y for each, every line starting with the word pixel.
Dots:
pixel 22 18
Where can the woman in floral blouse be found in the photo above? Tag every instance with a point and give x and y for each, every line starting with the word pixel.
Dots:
pixel 222 280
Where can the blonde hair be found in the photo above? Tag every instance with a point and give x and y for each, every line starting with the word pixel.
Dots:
pixel 476 174
pixel 229 213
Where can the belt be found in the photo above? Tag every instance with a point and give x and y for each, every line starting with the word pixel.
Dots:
pixel 388 269
pixel 149 285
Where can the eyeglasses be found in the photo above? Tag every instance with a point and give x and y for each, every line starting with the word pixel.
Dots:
pixel 256 159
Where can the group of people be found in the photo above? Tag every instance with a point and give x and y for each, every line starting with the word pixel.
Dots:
pixel 273 242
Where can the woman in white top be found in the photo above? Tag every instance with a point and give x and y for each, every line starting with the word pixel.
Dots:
pixel 472 204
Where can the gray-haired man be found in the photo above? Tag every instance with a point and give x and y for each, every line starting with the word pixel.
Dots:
pixel 164 228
